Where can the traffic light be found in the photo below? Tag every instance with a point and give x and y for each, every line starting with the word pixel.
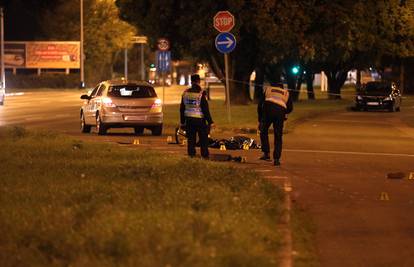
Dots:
pixel 295 70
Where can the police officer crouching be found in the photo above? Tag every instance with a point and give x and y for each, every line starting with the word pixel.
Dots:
pixel 195 116
pixel 274 105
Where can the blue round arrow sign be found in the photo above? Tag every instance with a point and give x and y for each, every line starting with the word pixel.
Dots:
pixel 225 42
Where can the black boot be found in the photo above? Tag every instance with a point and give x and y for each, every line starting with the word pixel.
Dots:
pixel 265 156
pixel 276 162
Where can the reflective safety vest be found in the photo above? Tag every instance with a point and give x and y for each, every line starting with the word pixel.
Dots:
pixel 277 95
pixel 192 102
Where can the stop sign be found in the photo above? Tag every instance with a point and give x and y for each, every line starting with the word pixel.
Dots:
pixel 223 21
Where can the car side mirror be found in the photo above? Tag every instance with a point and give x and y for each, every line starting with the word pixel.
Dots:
pixel 86 97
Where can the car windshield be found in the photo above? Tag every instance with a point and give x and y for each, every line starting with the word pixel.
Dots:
pixel 131 91
pixel 378 88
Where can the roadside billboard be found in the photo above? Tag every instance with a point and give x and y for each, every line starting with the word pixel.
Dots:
pixel 42 55
pixel 14 55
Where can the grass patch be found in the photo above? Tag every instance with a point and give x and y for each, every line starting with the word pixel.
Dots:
pixel 64 202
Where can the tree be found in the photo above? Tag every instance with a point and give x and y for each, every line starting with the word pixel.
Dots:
pixel 188 25
pixel 104 32
pixel 274 35
pixel 357 34
pixel 22 18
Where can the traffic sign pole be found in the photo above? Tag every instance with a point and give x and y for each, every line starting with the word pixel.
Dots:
pixel 163 61
pixel 163 89
pixel 223 22
pixel 225 43
pixel 126 63
pixel 226 69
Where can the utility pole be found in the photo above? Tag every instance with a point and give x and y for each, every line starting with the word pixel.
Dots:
pixel 141 40
pixel 82 59
pixel 126 63
pixel 142 63
pixel 3 78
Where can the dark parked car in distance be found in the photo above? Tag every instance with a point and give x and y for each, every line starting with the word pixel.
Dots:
pixel 379 95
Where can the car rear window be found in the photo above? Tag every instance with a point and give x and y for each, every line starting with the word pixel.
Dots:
pixel 131 91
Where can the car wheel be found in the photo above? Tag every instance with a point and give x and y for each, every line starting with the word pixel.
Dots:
pixel 84 127
pixel 100 126
pixel 139 130
pixel 157 130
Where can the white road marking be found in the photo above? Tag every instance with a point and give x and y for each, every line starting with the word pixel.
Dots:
pixel 349 153
pixel 34 118
pixel 64 115
pixel 276 177
pixel 264 170
pixel 15 94
pixel 352 121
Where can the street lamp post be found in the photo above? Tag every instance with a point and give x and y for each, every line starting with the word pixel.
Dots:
pixel 3 78
pixel 126 63
pixel 141 40
pixel 142 63
pixel 82 59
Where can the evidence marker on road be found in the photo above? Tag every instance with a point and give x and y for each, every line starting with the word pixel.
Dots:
pixel 223 148
pixel 246 146
pixel 135 142
pixel 411 176
pixel 169 139
pixel 384 196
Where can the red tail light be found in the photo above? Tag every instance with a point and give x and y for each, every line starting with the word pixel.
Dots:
pixel 107 102
pixel 157 103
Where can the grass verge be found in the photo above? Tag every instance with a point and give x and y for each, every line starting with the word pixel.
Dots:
pixel 64 202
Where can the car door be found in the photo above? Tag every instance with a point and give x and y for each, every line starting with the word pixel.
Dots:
pixel 90 106
pixel 97 101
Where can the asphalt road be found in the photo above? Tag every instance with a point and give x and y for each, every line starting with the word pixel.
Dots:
pixel 338 164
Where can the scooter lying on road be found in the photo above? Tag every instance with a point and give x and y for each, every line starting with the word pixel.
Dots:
pixel 233 143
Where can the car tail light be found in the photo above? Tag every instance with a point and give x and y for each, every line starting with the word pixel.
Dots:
pixel 157 103
pixel 107 102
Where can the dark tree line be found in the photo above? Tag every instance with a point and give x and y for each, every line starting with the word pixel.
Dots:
pixel 273 35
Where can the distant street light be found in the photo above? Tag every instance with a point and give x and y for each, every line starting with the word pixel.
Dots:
pixel 295 70
pixel 82 71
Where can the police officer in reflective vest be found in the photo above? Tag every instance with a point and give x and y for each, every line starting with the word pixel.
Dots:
pixel 195 115
pixel 273 107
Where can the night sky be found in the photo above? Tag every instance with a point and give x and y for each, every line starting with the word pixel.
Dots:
pixel 21 18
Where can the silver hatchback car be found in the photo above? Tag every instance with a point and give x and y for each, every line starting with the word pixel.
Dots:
pixel 116 104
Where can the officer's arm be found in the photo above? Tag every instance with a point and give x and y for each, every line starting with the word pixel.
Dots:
pixel 182 109
pixel 289 105
pixel 260 106
pixel 205 109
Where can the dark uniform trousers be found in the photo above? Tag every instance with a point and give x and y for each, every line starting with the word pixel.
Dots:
pixel 273 114
pixel 194 126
